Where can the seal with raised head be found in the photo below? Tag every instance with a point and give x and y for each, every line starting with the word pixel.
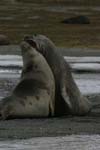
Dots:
pixel 34 96
pixel 68 96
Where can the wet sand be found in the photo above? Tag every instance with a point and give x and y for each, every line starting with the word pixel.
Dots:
pixel 70 142
pixel 51 127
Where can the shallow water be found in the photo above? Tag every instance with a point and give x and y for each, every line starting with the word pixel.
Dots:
pixel 86 72
pixel 72 142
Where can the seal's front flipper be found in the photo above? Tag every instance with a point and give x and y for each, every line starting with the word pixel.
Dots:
pixel 66 97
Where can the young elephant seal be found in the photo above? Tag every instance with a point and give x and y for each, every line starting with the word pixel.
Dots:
pixel 68 96
pixel 34 96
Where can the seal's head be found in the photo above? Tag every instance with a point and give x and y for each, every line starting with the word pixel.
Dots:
pixel 40 42
pixel 25 47
pixel 28 52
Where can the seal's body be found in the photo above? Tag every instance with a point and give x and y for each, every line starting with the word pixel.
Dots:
pixel 34 96
pixel 68 96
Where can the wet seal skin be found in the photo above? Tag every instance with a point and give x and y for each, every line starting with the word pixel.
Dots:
pixel 34 96
pixel 69 99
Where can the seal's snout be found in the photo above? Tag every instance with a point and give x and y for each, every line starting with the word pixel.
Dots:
pixel 24 45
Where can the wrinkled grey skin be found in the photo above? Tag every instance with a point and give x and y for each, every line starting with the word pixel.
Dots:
pixel 68 97
pixel 34 95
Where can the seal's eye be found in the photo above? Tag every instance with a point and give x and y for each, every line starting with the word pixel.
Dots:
pixel 27 37
pixel 34 34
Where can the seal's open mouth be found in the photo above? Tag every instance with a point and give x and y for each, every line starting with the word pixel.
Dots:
pixel 29 40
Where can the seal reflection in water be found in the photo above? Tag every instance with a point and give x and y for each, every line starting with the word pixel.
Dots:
pixel 69 99
pixel 34 96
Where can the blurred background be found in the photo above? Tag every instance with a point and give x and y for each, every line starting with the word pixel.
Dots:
pixel 22 17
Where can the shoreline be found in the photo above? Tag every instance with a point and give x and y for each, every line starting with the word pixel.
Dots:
pixel 65 51
pixel 52 127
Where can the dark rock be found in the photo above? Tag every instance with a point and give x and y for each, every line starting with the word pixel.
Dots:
pixel 77 20
pixel 4 40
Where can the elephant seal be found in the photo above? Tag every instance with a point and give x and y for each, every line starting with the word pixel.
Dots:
pixel 68 97
pixel 34 96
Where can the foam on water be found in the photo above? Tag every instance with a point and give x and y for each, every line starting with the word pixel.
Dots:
pixel 82 59
pixel 88 86
pixel 10 60
pixel 77 63
pixel 86 67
